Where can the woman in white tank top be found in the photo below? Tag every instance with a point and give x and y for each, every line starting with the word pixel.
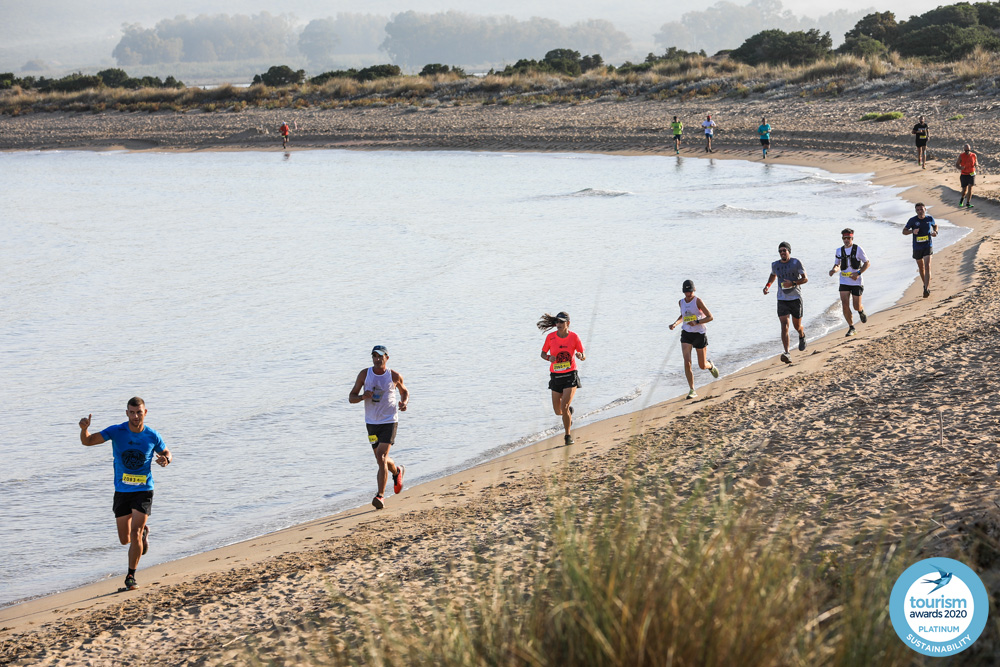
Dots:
pixel 695 315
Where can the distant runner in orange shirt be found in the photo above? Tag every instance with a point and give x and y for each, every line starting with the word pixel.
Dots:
pixel 284 130
pixel 562 348
pixel 967 163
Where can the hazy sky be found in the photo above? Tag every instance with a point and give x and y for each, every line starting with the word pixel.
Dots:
pixel 41 28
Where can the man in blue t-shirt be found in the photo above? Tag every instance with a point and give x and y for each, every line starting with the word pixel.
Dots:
pixel 133 445
pixel 764 130
pixel 924 229
pixel 791 276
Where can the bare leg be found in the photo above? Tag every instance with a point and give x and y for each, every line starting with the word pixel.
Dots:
pixel 845 305
pixel 703 359
pixel 784 331
pixel 567 399
pixel 686 350
pixel 386 466
pixel 857 303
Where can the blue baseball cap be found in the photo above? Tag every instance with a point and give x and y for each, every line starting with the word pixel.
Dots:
pixel 380 350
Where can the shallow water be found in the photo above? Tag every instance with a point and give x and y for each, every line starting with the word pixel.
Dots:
pixel 240 293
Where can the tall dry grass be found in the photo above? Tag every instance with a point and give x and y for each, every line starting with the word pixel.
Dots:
pixel 632 577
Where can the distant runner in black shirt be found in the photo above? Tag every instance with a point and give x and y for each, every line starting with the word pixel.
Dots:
pixel 920 131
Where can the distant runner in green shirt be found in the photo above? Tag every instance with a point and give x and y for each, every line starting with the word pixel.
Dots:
pixel 765 136
pixel 678 129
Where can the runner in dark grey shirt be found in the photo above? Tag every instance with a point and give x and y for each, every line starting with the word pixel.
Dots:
pixel 791 276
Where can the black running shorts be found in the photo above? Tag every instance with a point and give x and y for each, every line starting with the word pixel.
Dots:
pixel 921 142
pixel 696 340
pixel 127 501
pixel 967 180
pixel 793 308
pixel 856 290
pixel 560 381
pixel 920 253
pixel 381 433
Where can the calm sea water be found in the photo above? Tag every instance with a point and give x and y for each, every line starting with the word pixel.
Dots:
pixel 240 293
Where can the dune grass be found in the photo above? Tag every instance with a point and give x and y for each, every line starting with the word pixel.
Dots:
pixel 632 575
pixel 691 77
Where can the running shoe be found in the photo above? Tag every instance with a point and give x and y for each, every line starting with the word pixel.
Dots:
pixel 145 540
pixel 784 357
pixel 691 394
pixel 568 439
pixel 377 501
pixel 927 292
pixel 714 370
pixel 130 584
pixel 969 205
pixel 864 318
pixel 397 479
pixel 850 331
pixel 802 343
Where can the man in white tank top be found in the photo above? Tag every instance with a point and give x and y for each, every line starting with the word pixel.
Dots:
pixel 377 388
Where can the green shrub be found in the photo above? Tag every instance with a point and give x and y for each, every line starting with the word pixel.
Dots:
pixel 880 117
pixel 280 75
pixel 774 47
pixel 957 117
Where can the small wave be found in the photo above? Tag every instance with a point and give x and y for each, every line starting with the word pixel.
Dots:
pixel 589 192
pixel 824 180
pixel 727 211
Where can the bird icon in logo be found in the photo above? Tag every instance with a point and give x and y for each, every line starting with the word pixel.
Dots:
pixel 941 581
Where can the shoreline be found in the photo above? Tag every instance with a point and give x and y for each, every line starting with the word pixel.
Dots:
pixel 338 541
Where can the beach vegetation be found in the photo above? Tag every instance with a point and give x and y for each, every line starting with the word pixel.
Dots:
pixel 777 46
pixel 280 75
pixel 634 572
pixel 957 117
pixel 880 117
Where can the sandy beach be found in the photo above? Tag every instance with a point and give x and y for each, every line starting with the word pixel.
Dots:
pixel 898 421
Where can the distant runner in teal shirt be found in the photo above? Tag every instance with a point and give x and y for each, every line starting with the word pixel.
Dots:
pixel 133 446
pixel 765 136
pixel 678 129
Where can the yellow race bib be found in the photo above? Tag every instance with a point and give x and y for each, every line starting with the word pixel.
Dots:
pixel 133 480
pixel 923 239
pixel 688 319
pixel 846 274
pixel 562 366
pixel 373 439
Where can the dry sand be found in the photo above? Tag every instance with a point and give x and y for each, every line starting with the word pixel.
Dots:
pixel 900 418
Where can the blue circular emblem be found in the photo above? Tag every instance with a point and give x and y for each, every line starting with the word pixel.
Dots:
pixel 939 607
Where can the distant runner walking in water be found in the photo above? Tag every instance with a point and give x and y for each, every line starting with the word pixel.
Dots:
pixel 923 228
pixel 284 130
pixel 561 349
pixel 764 130
pixel 922 134
pixel 709 125
pixel 133 445
pixel 791 276
pixel 695 315
pixel 967 162
pixel 377 387
pixel 678 129
pixel 851 261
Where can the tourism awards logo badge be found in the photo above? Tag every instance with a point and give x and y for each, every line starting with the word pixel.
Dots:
pixel 938 607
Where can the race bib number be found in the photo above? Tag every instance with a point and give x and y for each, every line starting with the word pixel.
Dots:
pixel 372 439
pixel 562 366
pixel 133 480
pixel 688 319
pixel 923 239
pixel 846 274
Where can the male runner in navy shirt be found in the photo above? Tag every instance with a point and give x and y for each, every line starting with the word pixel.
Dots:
pixel 923 228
